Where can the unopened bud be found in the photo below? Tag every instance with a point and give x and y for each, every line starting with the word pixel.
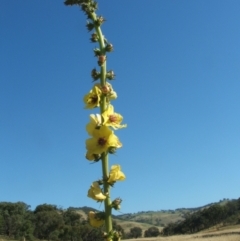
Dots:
pixel 97 52
pixel 94 38
pixel 116 236
pixel 112 150
pixel 95 74
pixel 106 89
pixel 100 20
pixel 109 47
pixel 116 203
pixel 90 26
pixel 110 75
pixel 101 60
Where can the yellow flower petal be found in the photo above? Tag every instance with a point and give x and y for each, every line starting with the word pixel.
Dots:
pixel 95 122
pixel 94 220
pixel 102 139
pixel 116 174
pixel 92 99
pixel 108 91
pixel 112 119
pixel 95 192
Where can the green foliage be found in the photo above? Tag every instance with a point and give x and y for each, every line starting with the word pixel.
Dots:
pixel 47 220
pixel 14 220
pixel 135 232
pixel 72 226
pixel 206 218
pixel 1 225
pixel 45 207
pixel 152 232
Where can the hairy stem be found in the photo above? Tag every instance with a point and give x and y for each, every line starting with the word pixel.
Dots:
pixel 104 157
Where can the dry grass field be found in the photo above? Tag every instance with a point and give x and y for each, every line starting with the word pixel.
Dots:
pixel 127 225
pixel 225 234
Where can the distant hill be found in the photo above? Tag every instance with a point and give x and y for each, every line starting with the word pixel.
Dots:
pixel 146 219
pixel 48 220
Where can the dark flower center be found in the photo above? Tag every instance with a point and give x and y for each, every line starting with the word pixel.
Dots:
pixel 101 141
pixel 112 118
pixel 94 99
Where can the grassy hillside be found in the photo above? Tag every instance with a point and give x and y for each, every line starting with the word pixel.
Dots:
pixel 151 218
pixel 127 225
pixel 159 218
pixel 231 233
pixel 146 219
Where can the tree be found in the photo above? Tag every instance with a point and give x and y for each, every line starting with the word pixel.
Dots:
pixel 15 222
pixel 152 232
pixel 1 225
pixel 135 232
pixel 72 226
pixel 45 207
pixel 48 220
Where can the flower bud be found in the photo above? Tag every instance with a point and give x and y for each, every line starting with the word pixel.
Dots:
pixel 116 203
pixel 106 89
pixel 90 26
pixel 101 60
pixel 94 5
pixel 97 52
pixel 94 38
pixel 116 236
pixel 100 20
pixel 89 7
pixel 112 150
pixel 95 75
pixel 110 75
pixel 109 47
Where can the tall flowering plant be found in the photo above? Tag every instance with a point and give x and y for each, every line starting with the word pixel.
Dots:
pixel 101 127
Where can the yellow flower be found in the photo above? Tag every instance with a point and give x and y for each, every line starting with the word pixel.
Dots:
pixel 112 119
pixel 92 99
pixel 116 174
pixel 107 90
pixel 102 139
pixel 95 122
pixel 95 192
pixel 94 220
pixel 113 95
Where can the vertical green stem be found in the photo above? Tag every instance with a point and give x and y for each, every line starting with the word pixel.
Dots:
pixel 104 157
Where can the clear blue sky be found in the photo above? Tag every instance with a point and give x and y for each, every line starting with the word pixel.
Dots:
pixel 178 82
